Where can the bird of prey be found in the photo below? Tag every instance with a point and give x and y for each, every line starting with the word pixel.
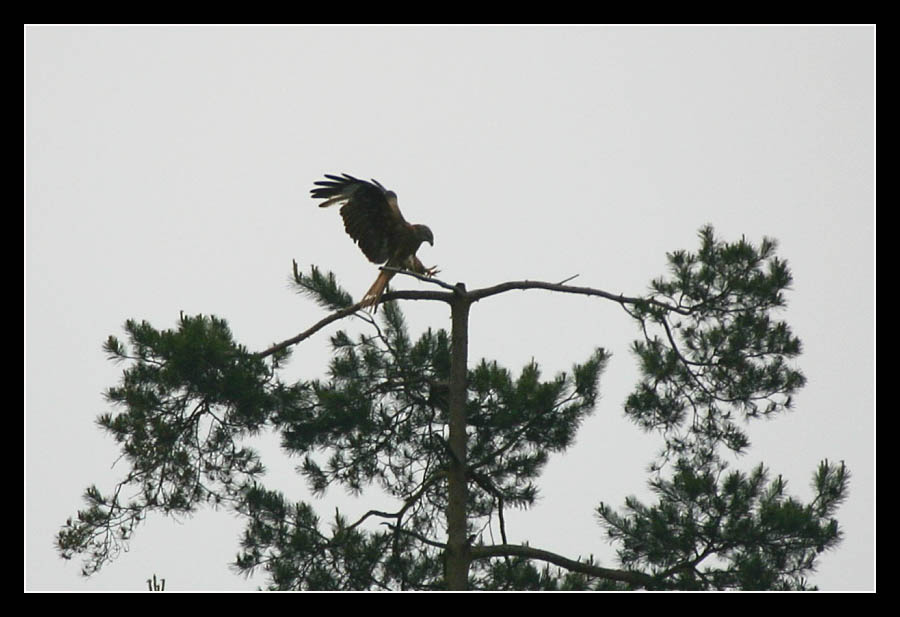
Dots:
pixel 373 220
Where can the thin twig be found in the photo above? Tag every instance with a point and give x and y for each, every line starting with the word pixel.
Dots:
pixel 485 483
pixel 426 484
pixel 422 277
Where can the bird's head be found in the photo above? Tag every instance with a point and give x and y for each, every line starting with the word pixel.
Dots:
pixel 423 233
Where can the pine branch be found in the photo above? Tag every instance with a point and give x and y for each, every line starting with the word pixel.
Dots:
pixel 638 579
pixel 337 315
pixel 479 294
pixel 426 484
pixel 473 296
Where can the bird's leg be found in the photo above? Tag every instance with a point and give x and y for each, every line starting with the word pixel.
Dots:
pixel 414 265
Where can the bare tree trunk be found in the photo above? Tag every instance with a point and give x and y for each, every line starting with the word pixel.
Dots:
pixel 457 555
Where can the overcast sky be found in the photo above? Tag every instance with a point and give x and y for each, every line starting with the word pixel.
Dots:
pixel 168 169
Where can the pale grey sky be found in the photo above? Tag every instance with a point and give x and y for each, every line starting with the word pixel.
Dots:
pixel 168 169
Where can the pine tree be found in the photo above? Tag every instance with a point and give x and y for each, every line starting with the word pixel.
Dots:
pixel 457 444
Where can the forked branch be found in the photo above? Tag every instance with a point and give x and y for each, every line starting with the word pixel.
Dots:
pixel 471 296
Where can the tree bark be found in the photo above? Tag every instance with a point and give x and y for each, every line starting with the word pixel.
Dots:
pixel 457 556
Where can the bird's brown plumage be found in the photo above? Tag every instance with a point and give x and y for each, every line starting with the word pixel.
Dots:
pixel 373 219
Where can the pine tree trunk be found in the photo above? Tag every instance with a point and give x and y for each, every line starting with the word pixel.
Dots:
pixel 457 554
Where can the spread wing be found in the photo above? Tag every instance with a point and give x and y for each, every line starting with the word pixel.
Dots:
pixel 370 213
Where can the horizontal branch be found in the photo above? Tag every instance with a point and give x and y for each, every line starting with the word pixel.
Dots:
pixel 472 296
pixel 631 577
pixel 351 310
pixel 478 294
pixel 443 296
pixel 346 312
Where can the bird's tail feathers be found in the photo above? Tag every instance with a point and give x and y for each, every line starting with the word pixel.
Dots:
pixel 373 296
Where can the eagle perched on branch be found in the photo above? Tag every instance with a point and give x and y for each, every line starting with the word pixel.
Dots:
pixel 373 219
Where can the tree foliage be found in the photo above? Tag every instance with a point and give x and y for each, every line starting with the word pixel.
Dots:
pixel 711 354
